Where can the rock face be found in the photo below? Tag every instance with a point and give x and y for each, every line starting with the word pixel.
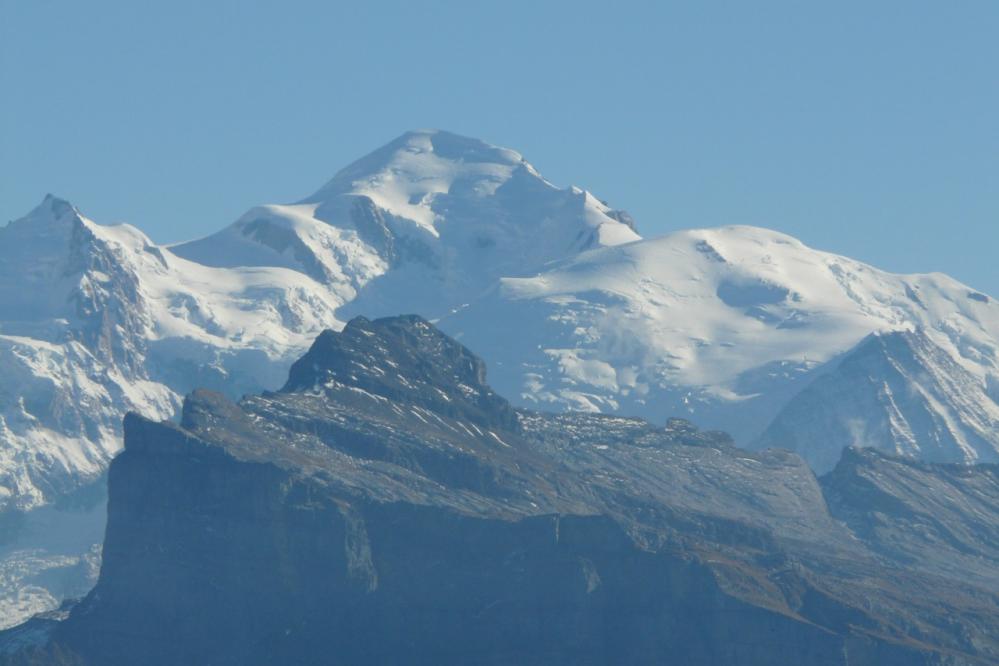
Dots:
pixel 387 507
pixel 441 375
pixel 939 518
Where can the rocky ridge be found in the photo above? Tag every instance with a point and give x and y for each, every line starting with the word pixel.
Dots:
pixel 360 514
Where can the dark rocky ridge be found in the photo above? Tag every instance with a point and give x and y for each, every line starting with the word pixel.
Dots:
pixel 387 507
pixel 404 359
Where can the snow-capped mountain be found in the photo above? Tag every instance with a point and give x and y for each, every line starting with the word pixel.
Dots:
pixel 424 224
pixel 896 391
pixel 722 326
pixel 98 321
pixel 567 304
pixel 570 307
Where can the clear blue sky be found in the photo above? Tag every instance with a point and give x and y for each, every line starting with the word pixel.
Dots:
pixel 865 128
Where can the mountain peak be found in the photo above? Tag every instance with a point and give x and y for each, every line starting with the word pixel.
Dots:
pixel 404 359
pixel 449 145
pixel 41 238
pixel 55 206
pixel 428 203
pixel 424 163
pixel 899 391
pixel 51 210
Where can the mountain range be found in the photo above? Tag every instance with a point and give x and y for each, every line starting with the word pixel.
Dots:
pixel 739 329
pixel 387 506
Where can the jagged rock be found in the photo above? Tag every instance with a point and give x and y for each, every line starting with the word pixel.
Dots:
pixel 404 359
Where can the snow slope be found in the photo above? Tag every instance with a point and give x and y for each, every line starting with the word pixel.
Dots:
pixel 899 392
pixel 98 321
pixel 425 223
pixel 722 325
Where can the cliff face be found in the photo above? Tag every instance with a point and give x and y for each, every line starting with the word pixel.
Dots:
pixel 293 574
pixel 387 507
